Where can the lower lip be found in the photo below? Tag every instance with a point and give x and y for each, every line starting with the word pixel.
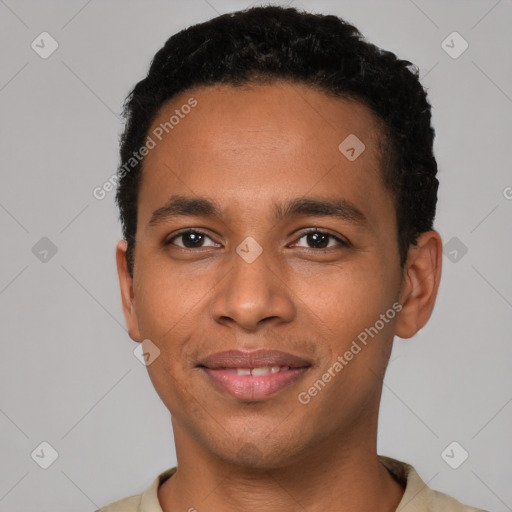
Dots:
pixel 253 387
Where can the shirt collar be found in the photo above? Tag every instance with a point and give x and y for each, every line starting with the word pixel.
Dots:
pixel 416 495
pixel 149 499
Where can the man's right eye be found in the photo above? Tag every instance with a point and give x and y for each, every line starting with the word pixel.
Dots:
pixel 190 239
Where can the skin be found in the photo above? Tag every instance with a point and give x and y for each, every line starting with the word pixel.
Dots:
pixel 248 148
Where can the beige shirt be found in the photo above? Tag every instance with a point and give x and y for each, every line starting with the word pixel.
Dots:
pixel 417 496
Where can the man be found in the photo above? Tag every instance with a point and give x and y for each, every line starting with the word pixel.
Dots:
pixel 277 194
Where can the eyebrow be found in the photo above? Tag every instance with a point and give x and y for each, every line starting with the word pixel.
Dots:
pixel 183 206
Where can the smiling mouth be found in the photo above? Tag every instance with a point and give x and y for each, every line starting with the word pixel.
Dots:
pixel 253 383
pixel 253 375
pixel 263 370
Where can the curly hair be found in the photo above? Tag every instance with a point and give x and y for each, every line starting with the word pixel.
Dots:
pixel 265 44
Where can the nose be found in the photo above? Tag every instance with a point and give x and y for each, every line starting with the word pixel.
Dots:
pixel 252 294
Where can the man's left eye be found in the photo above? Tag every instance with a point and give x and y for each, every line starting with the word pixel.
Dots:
pixel 321 240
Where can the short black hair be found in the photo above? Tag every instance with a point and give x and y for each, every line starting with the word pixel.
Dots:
pixel 266 44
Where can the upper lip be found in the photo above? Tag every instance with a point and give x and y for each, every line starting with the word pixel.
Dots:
pixel 254 359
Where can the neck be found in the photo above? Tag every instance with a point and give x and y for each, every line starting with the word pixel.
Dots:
pixel 347 477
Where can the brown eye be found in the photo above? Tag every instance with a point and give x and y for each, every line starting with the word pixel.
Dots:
pixel 316 239
pixel 191 240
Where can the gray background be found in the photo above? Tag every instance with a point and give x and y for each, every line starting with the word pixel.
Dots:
pixel 68 375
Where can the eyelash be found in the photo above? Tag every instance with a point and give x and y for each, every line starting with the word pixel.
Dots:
pixel 342 243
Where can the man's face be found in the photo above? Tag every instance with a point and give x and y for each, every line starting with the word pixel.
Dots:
pixel 251 151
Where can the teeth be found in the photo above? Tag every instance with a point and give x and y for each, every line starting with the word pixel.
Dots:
pixel 264 370
pixel 261 371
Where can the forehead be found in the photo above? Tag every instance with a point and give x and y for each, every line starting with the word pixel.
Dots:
pixel 284 108
pixel 251 141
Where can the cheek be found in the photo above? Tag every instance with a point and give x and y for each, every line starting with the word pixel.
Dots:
pixel 167 299
pixel 346 299
pixel 170 384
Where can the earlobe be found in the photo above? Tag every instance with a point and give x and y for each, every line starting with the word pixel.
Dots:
pixel 127 293
pixel 422 274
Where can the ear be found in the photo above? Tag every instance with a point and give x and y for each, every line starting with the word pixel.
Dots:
pixel 420 284
pixel 127 295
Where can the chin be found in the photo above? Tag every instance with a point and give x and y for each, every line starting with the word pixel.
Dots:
pixel 257 453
